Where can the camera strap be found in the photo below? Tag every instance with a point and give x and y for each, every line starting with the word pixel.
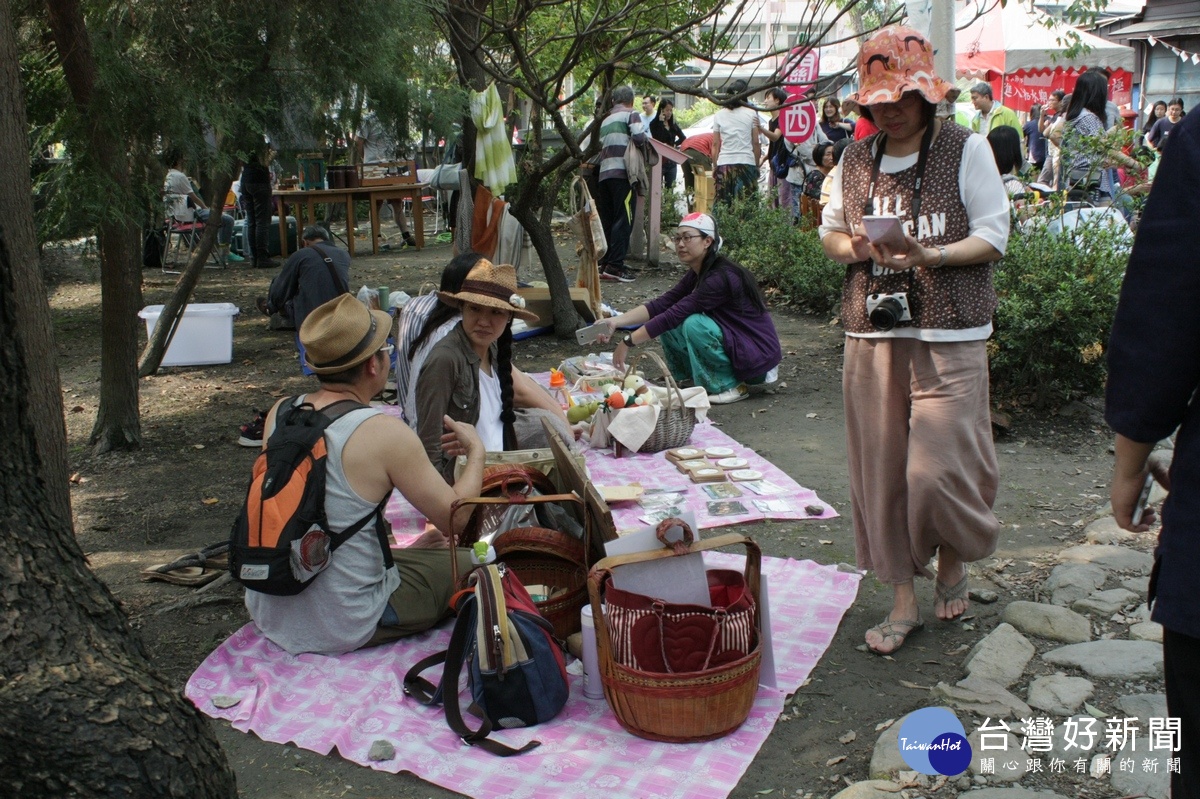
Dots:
pixel 922 161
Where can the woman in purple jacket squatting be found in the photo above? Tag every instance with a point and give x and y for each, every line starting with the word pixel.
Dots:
pixel 714 325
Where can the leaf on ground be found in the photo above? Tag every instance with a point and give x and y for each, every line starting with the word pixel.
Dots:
pixel 848 737
pixel 77 409
pixel 1092 710
pixel 197 446
pixel 210 500
pixel 810 416
pixel 908 684
pixel 833 761
pixel 824 541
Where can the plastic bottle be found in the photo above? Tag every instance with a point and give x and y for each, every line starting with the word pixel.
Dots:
pixel 558 387
pixel 593 688
pixel 482 553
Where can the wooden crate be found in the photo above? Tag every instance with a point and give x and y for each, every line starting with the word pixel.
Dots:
pixel 705 189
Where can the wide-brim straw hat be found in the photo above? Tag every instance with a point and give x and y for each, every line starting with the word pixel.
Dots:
pixel 894 61
pixel 492 286
pixel 343 333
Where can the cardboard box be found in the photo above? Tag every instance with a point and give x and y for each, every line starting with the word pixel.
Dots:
pixel 204 335
pixel 537 300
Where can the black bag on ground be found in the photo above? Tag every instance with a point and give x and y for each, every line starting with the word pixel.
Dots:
pixel 154 249
pixel 281 540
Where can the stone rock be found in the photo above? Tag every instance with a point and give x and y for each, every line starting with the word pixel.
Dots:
pixel 1106 556
pixel 225 701
pixel 1105 603
pixel 985 596
pixel 1138 585
pixel 1106 531
pixel 1049 621
pixel 869 789
pixel 885 759
pixel 1146 631
pixel 1011 793
pixel 1112 659
pixel 1144 707
pixel 1141 612
pixel 1001 656
pixel 1008 762
pixel 381 750
pixel 984 698
pixel 1071 581
pixel 1060 694
pixel 1129 774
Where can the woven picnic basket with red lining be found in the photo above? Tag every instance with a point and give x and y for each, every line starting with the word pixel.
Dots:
pixel 678 707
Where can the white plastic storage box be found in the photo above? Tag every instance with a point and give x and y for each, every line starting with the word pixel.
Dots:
pixel 204 335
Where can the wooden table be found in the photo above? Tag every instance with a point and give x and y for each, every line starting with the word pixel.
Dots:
pixel 375 195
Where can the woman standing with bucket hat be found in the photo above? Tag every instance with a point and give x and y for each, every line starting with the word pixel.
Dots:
pixel 917 315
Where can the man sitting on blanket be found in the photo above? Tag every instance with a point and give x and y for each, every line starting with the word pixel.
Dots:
pixel 356 602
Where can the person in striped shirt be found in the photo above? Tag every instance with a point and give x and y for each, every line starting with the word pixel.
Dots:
pixel 615 200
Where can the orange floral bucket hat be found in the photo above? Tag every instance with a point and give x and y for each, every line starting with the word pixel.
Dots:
pixel 896 60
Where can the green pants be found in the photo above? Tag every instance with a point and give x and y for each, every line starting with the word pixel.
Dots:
pixel 696 351
pixel 423 598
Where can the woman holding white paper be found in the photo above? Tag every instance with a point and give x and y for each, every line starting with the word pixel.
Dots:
pixel 917 315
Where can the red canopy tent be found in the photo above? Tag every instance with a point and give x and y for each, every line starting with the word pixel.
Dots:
pixel 1020 52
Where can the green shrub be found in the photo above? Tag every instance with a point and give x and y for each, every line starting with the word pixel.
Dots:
pixel 1058 293
pixel 787 259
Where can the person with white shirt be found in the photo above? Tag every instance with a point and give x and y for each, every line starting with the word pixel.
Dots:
pixel 737 150
pixel 917 313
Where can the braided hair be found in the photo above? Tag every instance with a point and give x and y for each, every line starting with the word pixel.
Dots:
pixel 503 368
pixel 452 279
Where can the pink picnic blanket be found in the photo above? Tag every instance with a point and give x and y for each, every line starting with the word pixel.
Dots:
pixel 348 702
pixel 791 501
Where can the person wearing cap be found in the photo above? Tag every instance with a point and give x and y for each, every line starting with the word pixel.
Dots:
pixel 359 600
pixel 469 375
pixel 714 325
pixel 736 147
pixel 923 471
pixel 311 276
pixel 989 114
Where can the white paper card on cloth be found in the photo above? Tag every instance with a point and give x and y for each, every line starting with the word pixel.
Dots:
pixel 680 579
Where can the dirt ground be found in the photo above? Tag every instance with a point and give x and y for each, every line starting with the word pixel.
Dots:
pixel 181 491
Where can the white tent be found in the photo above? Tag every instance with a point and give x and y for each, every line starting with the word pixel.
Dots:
pixel 1005 40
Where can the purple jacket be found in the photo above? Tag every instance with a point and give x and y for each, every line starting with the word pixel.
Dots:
pixel 748 332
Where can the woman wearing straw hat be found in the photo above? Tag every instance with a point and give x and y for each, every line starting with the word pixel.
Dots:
pixel 917 314
pixel 469 375
pixel 714 325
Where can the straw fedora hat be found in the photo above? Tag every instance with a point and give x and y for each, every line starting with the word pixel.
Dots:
pixel 343 333
pixel 896 60
pixel 492 286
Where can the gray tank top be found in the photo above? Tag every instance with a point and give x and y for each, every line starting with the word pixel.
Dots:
pixel 340 610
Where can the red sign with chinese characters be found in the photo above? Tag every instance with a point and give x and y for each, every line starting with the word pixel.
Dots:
pixel 798 119
pixel 1025 88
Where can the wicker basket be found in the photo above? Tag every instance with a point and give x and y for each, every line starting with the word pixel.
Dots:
pixel 539 555
pixel 686 707
pixel 675 422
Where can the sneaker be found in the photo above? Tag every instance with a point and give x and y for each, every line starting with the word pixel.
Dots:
pixel 234 258
pixel 266 263
pixel 735 394
pixel 252 431
pixel 621 274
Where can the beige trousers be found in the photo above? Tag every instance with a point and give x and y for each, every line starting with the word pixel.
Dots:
pixel 923 470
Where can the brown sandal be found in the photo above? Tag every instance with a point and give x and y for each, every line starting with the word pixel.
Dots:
pixel 899 630
pixel 946 595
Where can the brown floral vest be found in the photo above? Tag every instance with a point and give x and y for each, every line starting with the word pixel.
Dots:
pixel 942 298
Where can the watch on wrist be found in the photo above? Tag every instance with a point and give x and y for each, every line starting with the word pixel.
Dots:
pixel 627 340
pixel 942 255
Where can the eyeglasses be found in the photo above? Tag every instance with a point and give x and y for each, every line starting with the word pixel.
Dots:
pixel 679 238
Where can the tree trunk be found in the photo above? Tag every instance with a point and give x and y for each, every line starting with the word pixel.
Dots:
pixel 172 312
pixel 117 423
pixel 566 318
pixel 16 209
pixel 83 713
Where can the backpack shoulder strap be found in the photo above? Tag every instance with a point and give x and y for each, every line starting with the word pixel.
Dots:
pixel 333 412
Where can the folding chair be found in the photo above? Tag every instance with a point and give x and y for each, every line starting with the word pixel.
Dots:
pixel 188 233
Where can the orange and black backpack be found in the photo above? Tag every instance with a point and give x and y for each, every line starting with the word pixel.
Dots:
pixel 281 540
